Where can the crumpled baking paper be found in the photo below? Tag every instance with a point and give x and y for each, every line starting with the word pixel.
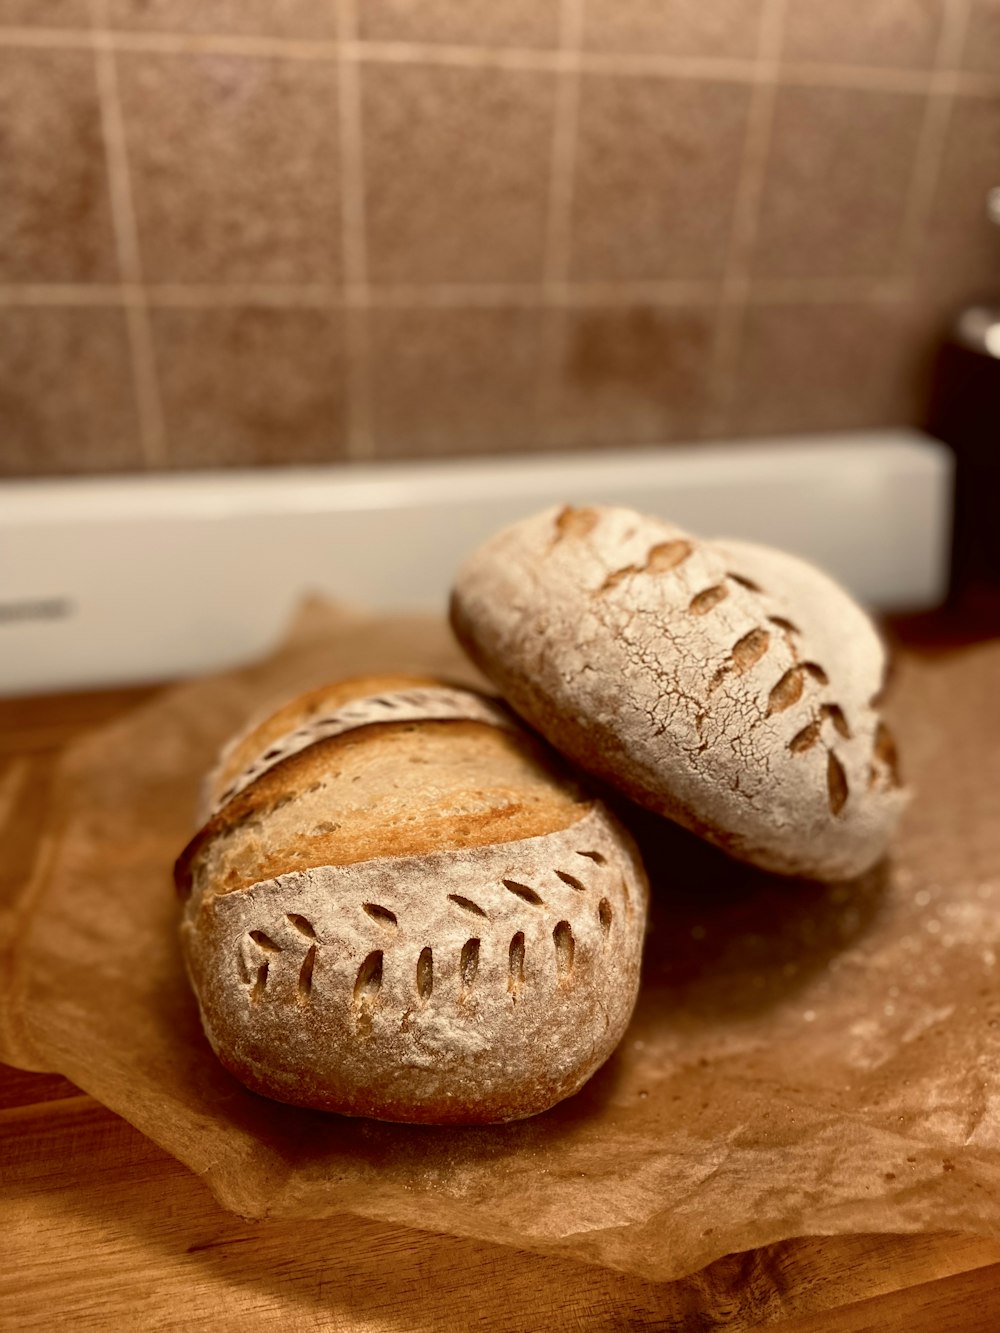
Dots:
pixel 804 1059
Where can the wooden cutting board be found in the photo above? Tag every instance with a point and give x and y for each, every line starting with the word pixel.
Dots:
pixel 102 1230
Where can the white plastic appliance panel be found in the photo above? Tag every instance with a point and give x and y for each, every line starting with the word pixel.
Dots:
pixel 105 581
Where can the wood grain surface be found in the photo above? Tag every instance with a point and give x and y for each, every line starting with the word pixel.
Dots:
pixel 102 1230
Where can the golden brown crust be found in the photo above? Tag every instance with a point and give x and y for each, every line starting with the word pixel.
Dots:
pixel 331 713
pixel 326 698
pixel 506 792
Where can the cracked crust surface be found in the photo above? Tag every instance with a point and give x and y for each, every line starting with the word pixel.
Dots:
pixel 728 686
pixel 421 920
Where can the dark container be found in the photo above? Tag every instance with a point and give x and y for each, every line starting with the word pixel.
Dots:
pixel 965 414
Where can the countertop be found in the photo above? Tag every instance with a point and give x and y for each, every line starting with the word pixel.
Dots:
pixel 103 1230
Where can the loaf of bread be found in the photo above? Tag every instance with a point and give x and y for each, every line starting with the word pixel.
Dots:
pixel 729 687
pixel 399 906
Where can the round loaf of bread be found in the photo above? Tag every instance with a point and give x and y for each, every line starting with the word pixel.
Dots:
pixel 399 906
pixel 727 686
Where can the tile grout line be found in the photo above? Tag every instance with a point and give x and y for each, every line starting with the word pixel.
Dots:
pixel 735 294
pixel 564 140
pixel 933 133
pixel 85 295
pixel 876 290
pixel 575 296
pixel 467 57
pixel 166 43
pixel 356 319
pixel 626 64
pixel 152 438
pixel 559 223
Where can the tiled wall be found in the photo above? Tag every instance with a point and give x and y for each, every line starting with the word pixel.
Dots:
pixel 250 231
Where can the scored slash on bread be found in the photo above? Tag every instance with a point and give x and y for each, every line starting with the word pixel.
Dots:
pixel 326 714
pixel 472 987
pixel 421 920
pixel 724 685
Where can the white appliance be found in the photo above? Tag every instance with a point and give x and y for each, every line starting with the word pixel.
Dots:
pixel 110 580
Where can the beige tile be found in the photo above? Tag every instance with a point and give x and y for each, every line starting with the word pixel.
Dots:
pixel 55 215
pixel 526 23
pixel 829 367
pixel 635 375
pixel 66 401
pixel 234 167
pixel 864 32
pixel 457 167
pixel 454 381
pixel 982 45
pixel 267 18
pixel 673 27
pixel 44 13
pixel 242 387
pixel 656 171
pixel 837 182
pixel 960 255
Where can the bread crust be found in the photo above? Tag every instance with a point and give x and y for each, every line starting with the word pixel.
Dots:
pixel 335 710
pixel 471 978
pixel 424 989
pixel 723 685
pixel 304 811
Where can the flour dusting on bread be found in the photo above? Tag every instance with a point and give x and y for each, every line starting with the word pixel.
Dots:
pixel 724 685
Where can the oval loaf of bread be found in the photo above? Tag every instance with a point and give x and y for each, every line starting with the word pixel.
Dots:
pixel 399 907
pixel 730 687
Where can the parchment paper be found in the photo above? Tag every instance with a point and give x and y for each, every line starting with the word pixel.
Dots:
pixel 804 1059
